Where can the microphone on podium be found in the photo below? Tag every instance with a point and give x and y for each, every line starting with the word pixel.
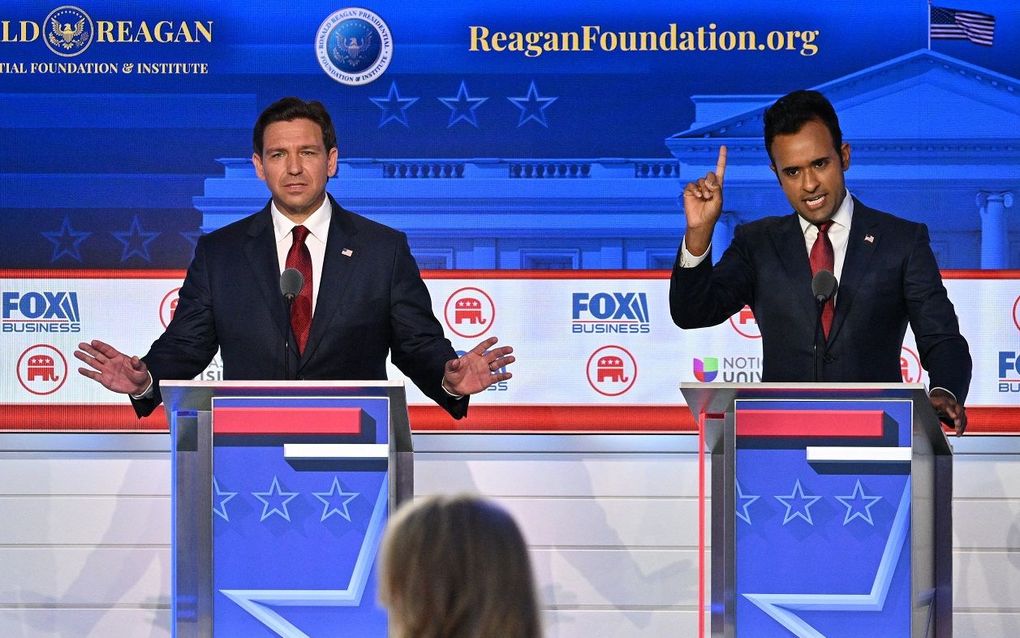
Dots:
pixel 823 287
pixel 291 283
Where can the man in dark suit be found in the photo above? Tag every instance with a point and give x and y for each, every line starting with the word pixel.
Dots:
pixel 886 270
pixel 362 295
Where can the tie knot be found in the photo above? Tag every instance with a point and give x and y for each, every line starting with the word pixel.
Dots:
pixel 823 228
pixel 300 233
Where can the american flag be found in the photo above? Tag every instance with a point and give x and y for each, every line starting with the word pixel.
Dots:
pixel 954 24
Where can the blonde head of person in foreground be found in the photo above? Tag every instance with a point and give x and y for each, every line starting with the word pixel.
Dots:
pixel 457 567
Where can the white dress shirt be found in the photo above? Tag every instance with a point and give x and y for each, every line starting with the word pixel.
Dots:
pixel 318 230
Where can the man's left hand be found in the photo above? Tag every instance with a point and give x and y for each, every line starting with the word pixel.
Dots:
pixel 478 368
pixel 949 411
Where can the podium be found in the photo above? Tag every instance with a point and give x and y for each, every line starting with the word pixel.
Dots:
pixel 831 511
pixel 281 492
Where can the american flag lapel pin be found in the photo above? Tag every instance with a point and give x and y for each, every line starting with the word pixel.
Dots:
pixel 870 239
pixel 347 252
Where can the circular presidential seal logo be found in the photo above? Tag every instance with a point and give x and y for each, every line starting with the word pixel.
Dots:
pixel 354 46
pixel 68 31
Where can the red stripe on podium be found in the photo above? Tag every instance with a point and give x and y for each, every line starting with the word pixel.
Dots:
pixel 286 420
pixel 481 418
pixel 809 423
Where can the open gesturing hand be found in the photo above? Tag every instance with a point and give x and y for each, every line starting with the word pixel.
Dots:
pixel 478 368
pixel 113 369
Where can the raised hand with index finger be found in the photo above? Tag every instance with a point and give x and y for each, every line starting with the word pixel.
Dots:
pixel 703 201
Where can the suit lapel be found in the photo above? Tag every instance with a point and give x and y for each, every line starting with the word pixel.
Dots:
pixel 788 238
pixel 860 247
pixel 341 251
pixel 260 251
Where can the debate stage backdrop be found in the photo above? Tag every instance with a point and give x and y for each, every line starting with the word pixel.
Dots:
pixel 533 152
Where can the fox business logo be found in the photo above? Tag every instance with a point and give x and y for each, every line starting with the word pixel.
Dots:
pixel 610 312
pixel 40 312
pixel 1009 372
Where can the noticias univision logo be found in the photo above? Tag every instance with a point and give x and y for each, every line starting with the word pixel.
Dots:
pixel 610 312
pixel 40 312
pixel 707 369
pixel 732 369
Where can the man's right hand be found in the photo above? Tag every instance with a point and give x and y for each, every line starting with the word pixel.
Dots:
pixel 113 369
pixel 703 205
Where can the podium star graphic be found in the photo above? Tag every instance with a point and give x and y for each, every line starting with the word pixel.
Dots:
pixel 276 496
pixel 335 501
pixel 222 498
pixel 462 107
pixel 65 241
pixel 780 606
pixel 136 241
pixel 858 505
pixel 532 106
pixel 260 602
pixel 798 504
pixel 743 502
pixel 394 108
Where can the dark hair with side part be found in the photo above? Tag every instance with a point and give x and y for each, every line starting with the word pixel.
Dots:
pixel 457 567
pixel 792 111
pixel 291 108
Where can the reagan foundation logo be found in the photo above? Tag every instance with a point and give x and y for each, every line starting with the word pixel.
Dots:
pixel 68 31
pixel 354 46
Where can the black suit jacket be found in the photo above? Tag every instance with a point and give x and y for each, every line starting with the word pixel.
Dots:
pixel 370 302
pixel 889 277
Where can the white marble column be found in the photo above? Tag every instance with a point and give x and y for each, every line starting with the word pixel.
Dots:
pixel 994 228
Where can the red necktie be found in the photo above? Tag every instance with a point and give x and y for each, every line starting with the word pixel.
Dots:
pixel 823 258
pixel 301 309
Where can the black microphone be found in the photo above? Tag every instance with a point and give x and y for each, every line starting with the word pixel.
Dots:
pixel 823 287
pixel 291 283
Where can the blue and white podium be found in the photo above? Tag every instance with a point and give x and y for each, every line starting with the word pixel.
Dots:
pixel 831 510
pixel 281 492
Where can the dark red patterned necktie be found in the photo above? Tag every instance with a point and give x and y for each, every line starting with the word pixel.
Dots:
pixel 823 258
pixel 301 309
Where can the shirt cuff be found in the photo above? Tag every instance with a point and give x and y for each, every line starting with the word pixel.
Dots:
pixel 944 390
pixel 147 394
pixel 442 384
pixel 687 260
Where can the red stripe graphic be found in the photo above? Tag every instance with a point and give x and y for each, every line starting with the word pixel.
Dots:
pixel 809 423
pixel 287 420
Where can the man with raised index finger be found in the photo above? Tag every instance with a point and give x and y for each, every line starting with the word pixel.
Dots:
pixel 885 267
pixel 362 296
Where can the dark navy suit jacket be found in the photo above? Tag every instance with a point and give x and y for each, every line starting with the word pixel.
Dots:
pixel 889 277
pixel 371 301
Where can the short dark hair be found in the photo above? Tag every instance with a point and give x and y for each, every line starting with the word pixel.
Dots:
pixel 792 111
pixel 291 108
